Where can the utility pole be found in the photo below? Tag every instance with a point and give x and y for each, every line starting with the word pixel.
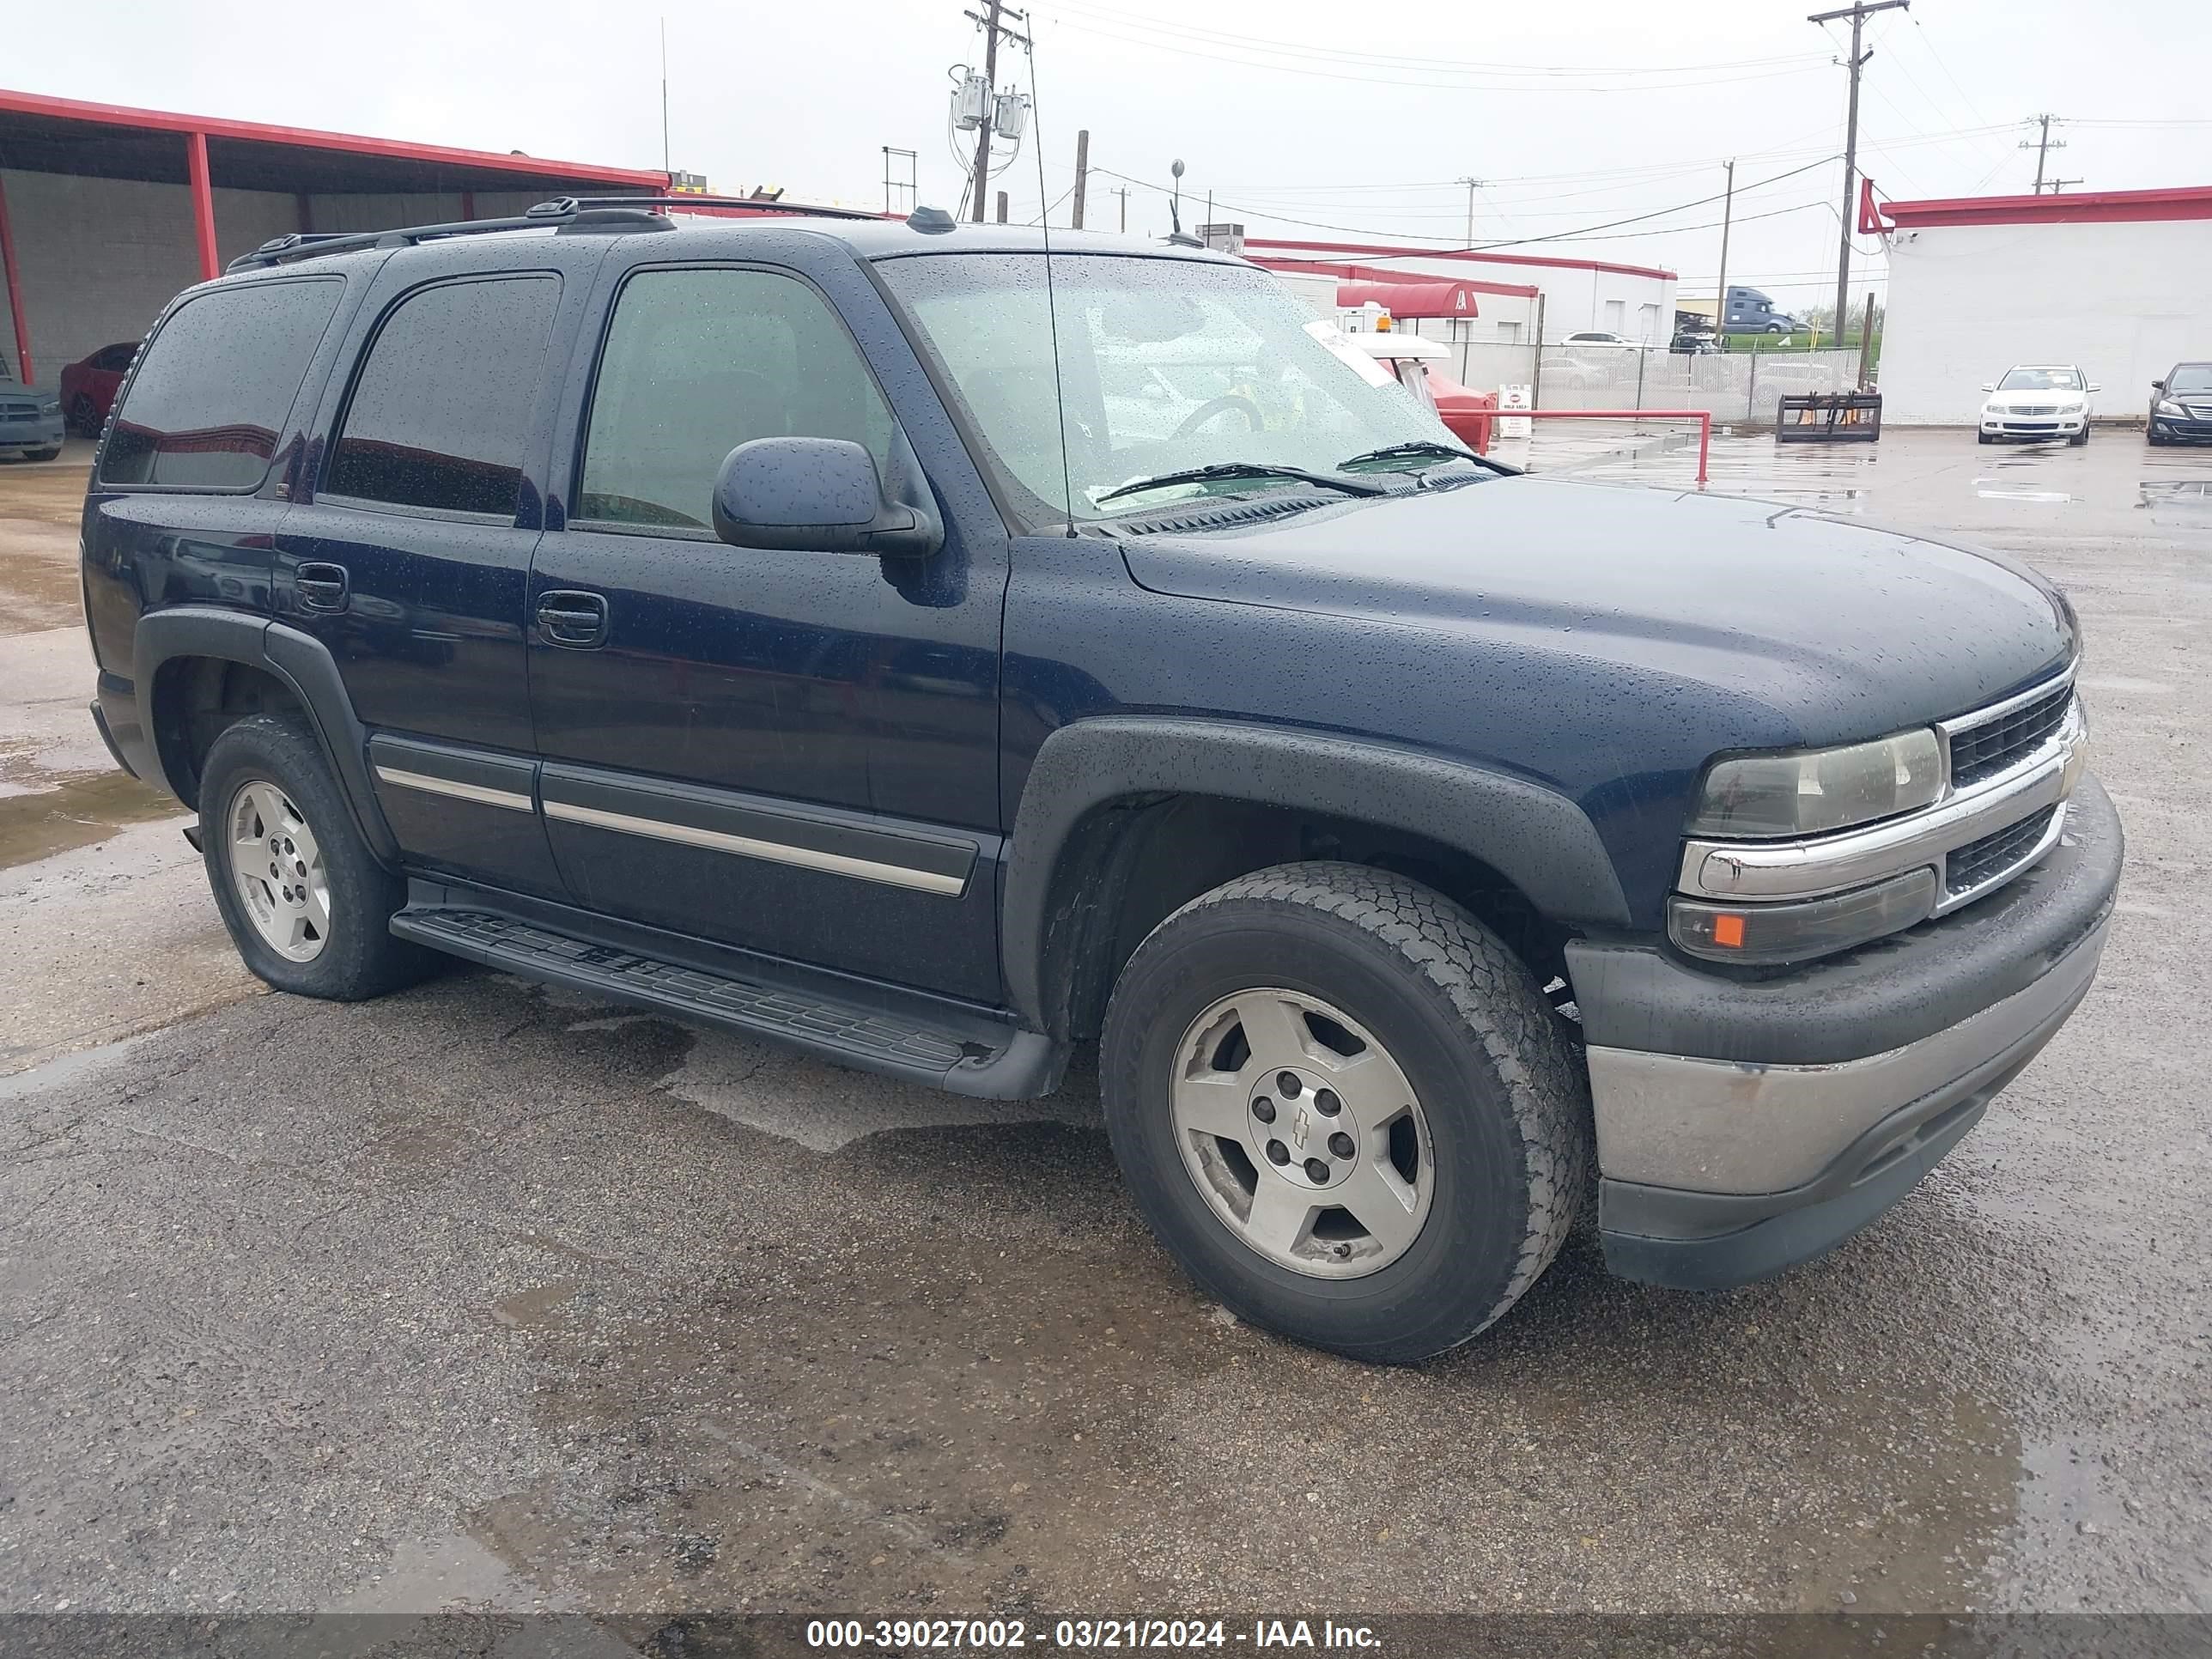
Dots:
pixel 993 29
pixel 1123 190
pixel 664 95
pixel 1858 14
pixel 1472 186
pixel 1082 173
pixel 2042 145
pixel 1720 305
pixel 2057 185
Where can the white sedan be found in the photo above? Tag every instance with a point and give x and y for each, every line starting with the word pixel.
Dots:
pixel 2032 400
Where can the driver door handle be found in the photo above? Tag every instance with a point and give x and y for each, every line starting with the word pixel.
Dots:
pixel 572 617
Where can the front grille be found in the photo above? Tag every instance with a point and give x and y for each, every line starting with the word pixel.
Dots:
pixel 2037 408
pixel 1979 862
pixel 19 409
pixel 1984 750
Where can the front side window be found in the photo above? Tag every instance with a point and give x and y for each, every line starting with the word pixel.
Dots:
pixel 1165 364
pixel 698 362
pixel 2040 379
pixel 208 406
pixel 441 413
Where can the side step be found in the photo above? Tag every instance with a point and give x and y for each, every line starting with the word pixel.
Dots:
pixel 995 1063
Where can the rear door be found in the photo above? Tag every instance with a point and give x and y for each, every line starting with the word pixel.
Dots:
pixel 793 753
pixel 409 552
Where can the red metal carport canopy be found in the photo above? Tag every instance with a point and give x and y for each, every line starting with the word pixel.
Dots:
pixel 40 134
pixel 1414 299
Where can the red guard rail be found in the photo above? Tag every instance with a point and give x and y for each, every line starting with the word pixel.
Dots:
pixel 1704 417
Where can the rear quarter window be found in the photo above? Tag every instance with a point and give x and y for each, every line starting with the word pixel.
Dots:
pixel 207 407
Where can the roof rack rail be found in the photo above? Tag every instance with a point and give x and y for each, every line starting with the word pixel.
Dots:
pixel 575 213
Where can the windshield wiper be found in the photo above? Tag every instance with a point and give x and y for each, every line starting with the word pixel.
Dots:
pixel 1228 470
pixel 1420 449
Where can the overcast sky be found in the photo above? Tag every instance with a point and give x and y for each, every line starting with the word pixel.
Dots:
pixel 1356 117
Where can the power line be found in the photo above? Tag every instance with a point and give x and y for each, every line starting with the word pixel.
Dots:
pixel 1584 234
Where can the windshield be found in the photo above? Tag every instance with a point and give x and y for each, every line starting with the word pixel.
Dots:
pixel 2040 379
pixel 1165 364
pixel 2195 379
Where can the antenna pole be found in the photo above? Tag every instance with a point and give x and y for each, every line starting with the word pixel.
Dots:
pixel 665 163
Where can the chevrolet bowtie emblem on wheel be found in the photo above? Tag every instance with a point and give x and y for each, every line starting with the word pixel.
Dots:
pixel 1298 1126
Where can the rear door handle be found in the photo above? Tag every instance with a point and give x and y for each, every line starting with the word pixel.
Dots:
pixel 570 617
pixel 321 587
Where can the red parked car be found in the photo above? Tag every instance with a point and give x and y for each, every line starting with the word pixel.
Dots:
pixel 88 387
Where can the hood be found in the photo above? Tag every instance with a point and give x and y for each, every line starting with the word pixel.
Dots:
pixel 2032 399
pixel 1810 629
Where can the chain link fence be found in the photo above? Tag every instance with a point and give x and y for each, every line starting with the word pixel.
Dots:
pixel 1738 387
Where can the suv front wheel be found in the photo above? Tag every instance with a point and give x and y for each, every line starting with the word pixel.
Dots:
pixel 1345 1108
pixel 307 904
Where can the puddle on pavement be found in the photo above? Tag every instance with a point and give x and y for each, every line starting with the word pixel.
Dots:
pixel 38 589
pixel 82 808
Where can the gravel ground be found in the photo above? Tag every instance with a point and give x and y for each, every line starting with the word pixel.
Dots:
pixel 484 1296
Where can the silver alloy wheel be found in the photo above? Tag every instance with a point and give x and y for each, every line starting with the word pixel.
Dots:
pixel 1302 1134
pixel 277 868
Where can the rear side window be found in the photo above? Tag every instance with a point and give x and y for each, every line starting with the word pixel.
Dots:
pixel 208 406
pixel 440 415
pixel 699 361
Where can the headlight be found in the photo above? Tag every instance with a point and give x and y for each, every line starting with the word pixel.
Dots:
pixel 51 404
pixel 2167 406
pixel 1816 789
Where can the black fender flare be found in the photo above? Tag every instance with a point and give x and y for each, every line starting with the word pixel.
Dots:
pixel 1536 838
pixel 300 662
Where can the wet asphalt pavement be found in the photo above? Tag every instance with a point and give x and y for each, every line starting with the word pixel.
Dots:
pixel 487 1296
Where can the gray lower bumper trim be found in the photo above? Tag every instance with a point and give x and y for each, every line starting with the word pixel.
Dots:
pixel 1721 1126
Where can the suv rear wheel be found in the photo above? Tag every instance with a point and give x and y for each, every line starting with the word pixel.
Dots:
pixel 306 905
pixel 1345 1108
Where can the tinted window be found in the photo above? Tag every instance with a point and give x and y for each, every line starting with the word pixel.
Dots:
pixel 115 358
pixel 699 361
pixel 208 404
pixel 440 411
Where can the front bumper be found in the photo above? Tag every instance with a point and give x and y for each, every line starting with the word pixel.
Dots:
pixel 1744 1126
pixel 41 434
pixel 2033 426
pixel 2181 428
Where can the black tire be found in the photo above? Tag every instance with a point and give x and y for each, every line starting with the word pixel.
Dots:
pixel 42 454
pixel 1505 1092
pixel 2081 437
pixel 2158 440
pixel 358 958
pixel 1984 438
pixel 83 417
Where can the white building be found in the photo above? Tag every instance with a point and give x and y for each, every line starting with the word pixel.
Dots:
pixel 2113 280
pixel 1519 292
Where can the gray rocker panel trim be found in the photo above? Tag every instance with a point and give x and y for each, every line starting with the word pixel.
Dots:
pixel 1536 838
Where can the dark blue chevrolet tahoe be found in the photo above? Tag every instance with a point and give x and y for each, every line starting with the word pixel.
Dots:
pixel 936 653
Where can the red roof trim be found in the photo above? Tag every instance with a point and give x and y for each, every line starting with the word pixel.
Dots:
pixel 1387 251
pixel 2082 207
pixel 1379 274
pixel 154 120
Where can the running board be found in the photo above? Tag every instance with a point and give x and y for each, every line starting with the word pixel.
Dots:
pixel 990 1061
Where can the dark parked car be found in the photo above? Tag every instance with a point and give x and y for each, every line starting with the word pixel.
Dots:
pixel 89 385
pixel 2181 406
pixel 760 622
pixel 30 417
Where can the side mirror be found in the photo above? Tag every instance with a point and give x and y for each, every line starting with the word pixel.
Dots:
pixel 2095 386
pixel 2158 385
pixel 816 495
pixel 1988 385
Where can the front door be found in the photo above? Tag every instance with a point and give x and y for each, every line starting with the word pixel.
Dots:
pixel 793 753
